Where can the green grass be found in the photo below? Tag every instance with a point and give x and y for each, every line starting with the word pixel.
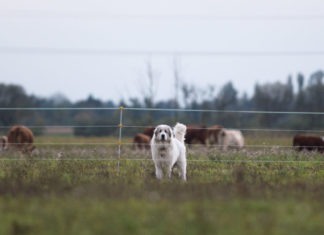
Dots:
pixel 91 216
pixel 91 197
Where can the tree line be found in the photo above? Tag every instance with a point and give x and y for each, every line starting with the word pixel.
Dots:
pixel 277 96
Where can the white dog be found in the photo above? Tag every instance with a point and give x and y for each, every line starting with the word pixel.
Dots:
pixel 168 150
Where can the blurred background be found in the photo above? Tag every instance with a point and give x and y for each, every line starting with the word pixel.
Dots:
pixel 223 55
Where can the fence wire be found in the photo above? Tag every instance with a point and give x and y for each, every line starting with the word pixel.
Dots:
pixel 160 109
pixel 120 142
pixel 152 126
pixel 147 159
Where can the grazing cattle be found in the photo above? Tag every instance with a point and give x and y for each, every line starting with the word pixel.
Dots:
pixel 149 131
pixel 213 134
pixel 230 139
pixel 308 142
pixel 21 138
pixel 3 142
pixel 141 141
pixel 197 134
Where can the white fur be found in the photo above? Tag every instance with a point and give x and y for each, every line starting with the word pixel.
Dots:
pixel 212 139
pixel 168 150
pixel 179 131
pixel 3 142
pixel 230 139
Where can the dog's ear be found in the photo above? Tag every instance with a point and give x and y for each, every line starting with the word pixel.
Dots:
pixel 156 131
pixel 170 132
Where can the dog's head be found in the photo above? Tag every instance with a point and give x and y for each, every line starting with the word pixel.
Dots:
pixel 163 133
pixel 222 133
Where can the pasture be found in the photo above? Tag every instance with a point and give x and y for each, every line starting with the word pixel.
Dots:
pixel 76 188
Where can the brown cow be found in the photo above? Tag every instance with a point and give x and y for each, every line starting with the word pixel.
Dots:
pixel 308 142
pixel 213 133
pixel 3 142
pixel 141 141
pixel 21 138
pixel 149 131
pixel 196 133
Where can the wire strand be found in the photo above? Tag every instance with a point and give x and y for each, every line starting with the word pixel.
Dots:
pixel 146 159
pixel 157 144
pixel 169 17
pixel 239 129
pixel 160 110
pixel 225 111
pixel 54 108
pixel 192 128
pixel 110 52
pixel 66 126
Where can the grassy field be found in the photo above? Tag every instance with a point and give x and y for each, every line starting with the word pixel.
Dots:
pixel 71 195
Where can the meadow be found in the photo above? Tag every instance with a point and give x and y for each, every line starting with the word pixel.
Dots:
pixel 73 186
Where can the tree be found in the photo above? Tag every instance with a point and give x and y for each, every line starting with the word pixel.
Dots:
pixel 13 96
pixel 227 97
pixel 314 98
pixel 315 92
pixel 189 94
pixel 225 100
pixel 300 81
pixel 300 99
pixel 177 82
pixel 149 89
pixel 272 97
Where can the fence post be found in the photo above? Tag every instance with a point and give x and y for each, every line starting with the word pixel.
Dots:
pixel 120 125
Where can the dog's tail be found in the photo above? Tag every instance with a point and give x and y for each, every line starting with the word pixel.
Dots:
pixel 180 132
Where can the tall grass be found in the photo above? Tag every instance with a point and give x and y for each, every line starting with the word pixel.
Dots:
pixel 79 194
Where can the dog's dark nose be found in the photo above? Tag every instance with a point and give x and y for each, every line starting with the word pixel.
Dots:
pixel 163 137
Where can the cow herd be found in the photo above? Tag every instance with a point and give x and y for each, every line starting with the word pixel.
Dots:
pixel 225 138
pixel 21 138
pixel 214 135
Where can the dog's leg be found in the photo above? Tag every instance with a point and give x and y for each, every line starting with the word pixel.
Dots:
pixel 225 145
pixel 158 172
pixel 182 167
pixel 183 170
pixel 169 171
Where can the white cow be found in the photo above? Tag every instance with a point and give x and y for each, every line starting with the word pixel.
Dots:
pixel 230 139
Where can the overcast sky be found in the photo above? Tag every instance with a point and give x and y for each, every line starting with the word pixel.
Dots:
pixel 146 25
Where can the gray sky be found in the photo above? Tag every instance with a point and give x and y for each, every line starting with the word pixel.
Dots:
pixel 135 25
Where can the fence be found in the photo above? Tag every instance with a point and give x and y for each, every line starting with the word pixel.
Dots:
pixel 121 125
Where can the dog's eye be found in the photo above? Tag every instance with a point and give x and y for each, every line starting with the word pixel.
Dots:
pixel 160 131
